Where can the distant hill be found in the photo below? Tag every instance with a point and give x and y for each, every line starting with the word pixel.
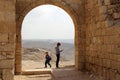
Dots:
pixel 49 44
pixel 36 54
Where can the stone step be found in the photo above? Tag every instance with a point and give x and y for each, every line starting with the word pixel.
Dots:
pixel 36 71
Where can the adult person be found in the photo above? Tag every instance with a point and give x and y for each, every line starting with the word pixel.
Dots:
pixel 57 49
pixel 47 59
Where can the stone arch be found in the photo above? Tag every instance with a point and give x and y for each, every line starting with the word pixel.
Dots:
pixel 23 7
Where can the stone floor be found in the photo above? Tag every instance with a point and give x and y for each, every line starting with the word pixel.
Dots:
pixel 34 77
pixel 68 74
pixel 66 71
pixel 63 73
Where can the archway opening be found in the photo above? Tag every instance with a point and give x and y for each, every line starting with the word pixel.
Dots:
pixel 42 28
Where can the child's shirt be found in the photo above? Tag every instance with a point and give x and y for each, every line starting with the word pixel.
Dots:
pixel 47 57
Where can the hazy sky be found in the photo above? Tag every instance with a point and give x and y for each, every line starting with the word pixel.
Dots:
pixel 47 22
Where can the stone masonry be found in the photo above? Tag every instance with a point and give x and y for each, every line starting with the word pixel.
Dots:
pixel 97 35
pixel 103 38
pixel 7 39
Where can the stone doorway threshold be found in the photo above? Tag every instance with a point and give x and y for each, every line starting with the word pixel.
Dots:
pixel 63 73
pixel 36 71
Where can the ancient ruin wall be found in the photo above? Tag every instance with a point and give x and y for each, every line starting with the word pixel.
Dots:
pixel 97 33
pixel 103 38
pixel 7 39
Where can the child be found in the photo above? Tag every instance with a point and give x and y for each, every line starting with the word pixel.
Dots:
pixel 47 59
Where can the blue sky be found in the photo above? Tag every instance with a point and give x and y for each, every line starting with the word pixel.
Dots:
pixel 47 22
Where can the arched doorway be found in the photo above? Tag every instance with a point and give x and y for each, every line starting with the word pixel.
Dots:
pixel 42 28
pixel 22 10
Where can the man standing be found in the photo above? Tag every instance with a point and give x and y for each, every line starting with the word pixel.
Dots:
pixel 58 54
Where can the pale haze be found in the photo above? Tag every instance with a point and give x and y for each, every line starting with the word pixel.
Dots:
pixel 47 22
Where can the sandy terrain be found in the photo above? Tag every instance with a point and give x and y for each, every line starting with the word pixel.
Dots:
pixel 35 58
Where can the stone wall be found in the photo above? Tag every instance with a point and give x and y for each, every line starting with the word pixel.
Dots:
pixel 103 38
pixel 7 39
pixel 97 35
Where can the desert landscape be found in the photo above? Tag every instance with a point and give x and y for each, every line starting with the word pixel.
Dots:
pixel 33 53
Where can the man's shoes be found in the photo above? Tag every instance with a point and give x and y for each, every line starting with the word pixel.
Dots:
pixel 57 67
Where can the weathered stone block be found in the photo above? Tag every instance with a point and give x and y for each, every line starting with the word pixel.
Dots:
pixel 8 74
pixel 6 64
pixel 10 55
pixel 12 37
pixel 117 76
pixel 116 15
pixel 3 37
pixel 107 2
pixel 114 65
pixel 7 21
pixel 2 57
pixel 100 2
pixel 109 23
pixel 106 63
pixel 102 18
pixel 7 47
pixel 103 9
pixel 113 2
pixel 113 74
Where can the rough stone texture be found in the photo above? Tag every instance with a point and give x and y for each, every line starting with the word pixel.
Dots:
pixel 102 38
pixel 8 74
pixel 6 64
pixel 97 34
pixel 7 47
